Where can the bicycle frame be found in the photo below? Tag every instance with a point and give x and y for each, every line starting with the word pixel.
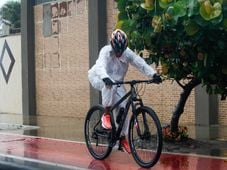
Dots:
pixel 143 137
pixel 132 98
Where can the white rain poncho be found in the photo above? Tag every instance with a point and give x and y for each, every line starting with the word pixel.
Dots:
pixel 109 66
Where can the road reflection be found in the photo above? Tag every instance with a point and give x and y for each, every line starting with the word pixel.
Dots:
pixel 99 165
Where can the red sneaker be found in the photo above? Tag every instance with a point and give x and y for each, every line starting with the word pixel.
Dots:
pixel 106 123
pixel 125 145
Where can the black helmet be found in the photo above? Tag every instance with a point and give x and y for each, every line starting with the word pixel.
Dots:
pixel 119 41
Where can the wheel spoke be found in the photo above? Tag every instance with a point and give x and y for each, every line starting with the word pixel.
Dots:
pixel 146 137
pixel 97 138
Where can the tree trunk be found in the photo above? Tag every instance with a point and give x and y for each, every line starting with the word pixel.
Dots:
pixel 181 103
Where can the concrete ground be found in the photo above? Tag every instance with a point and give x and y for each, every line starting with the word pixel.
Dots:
pixel 22 147
pixel 28 152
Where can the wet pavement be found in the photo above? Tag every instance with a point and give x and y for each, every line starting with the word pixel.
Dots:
pixel 10 162
pixel 30 152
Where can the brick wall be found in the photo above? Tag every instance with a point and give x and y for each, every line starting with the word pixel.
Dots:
pixel 222 114
pixel 62 62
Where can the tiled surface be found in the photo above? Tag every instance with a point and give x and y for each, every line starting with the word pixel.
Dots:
pixel 75 154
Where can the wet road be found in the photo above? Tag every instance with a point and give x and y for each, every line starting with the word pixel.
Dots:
pixel 46 153
pixel 10 162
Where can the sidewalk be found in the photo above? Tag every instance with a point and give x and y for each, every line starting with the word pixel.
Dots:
pixel 63 154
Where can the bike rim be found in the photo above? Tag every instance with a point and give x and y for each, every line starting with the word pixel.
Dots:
pixel 97 145
pixel 146 145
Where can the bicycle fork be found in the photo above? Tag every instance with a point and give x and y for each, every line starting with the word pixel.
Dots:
pixel 146 133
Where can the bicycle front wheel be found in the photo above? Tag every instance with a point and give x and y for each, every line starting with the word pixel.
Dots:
pixel 145 137
pixel 96 137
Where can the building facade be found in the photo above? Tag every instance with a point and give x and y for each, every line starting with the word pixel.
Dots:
pixel 64 38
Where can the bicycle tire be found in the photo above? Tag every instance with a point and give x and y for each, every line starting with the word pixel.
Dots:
pixel 98 144
pixel 147 147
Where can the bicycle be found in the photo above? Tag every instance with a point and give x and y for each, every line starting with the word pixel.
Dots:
pixel 145 132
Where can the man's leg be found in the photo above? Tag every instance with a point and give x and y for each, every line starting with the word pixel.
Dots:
pixel 107 102
pixel 123 143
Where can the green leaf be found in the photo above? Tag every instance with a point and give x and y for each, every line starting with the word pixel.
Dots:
pixel 149 8
pixel 209 11
pixel 200 21
pixel 121 5
pixel 164 3
pixel 122 15
pixel 191 27
pixel 180 8
pixel 217 20
pixel 225 24
pixel 127 25
pixel 193 8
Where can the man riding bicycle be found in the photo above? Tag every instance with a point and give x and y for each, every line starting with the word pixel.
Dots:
pixel 111 66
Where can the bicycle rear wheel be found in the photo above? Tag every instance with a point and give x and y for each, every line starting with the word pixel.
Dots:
pixel 145 137
pixel 97 138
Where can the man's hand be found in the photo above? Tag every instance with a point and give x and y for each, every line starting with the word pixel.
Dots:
pixel 108 82
pixel 157 78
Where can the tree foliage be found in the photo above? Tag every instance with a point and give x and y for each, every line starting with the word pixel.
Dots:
pixel 188 37
pixel 12 11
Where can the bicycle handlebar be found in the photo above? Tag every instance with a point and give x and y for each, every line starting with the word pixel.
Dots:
pixel 133 82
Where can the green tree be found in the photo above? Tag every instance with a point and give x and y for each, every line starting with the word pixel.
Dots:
pixel 11 11
pixel 188 38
